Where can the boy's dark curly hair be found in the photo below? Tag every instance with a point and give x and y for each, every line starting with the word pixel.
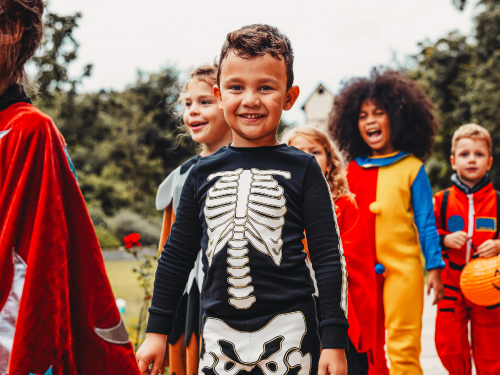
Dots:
pixel 256 40
pixel 412 122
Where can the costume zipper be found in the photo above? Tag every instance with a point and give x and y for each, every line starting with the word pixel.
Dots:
pixel 470 229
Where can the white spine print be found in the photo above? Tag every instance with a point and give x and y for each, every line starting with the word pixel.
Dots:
pixel 244 206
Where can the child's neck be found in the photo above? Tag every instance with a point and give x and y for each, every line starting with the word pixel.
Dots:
pixel 384 151
pixel 469 183
pixel 210 148
pixel 269 140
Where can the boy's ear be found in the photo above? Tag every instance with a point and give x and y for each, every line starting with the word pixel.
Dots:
pixel 291 96
pixel 490 162
pixel 452 161
pixel 218 95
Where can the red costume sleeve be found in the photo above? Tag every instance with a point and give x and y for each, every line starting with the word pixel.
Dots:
pixel 67 319
pixel 361 275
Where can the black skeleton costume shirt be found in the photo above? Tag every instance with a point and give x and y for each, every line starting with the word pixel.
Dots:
pixel 248 208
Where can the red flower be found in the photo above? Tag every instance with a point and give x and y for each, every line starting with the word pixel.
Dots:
pixel 132 240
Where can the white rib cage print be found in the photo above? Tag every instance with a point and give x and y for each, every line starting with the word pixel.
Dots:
pixel 245 206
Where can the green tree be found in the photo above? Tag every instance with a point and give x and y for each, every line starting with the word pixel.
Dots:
pixel 123 143
pixel 461 74
pixel 58 50
pixel 130 137
pixel 445 70
pixel 485 88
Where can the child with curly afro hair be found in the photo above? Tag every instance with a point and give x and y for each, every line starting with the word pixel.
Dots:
pixel 385 125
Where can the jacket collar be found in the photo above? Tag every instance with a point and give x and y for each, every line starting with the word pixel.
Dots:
pixel 381 161
pixel 14 94
pixel 485 181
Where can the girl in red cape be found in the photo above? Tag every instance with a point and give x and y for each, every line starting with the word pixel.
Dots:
pixel 361 276
pixel 57 311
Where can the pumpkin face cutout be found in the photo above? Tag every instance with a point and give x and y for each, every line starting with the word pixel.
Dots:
pixel 480 281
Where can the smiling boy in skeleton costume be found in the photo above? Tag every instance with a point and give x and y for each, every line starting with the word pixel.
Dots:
pixel 248 206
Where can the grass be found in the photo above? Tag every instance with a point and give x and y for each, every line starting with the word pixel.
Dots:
pixel 126 286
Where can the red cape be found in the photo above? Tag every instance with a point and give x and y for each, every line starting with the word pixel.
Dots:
pixel 66 294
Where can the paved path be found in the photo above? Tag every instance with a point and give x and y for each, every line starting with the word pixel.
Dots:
pixel 121 254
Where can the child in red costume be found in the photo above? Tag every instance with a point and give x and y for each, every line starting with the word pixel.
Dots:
pixel 467 219
pixel 57 311
pixel 385 124
pixel 361 275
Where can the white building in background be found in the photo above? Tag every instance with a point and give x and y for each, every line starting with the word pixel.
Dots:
pixel 318 106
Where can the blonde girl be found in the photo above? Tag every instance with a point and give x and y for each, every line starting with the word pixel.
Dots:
pixel 205 122
pixel 361 276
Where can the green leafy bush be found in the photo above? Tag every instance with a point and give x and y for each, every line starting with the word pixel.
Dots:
pixel 106 239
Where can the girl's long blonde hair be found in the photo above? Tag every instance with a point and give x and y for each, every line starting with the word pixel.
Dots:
pixel 336 177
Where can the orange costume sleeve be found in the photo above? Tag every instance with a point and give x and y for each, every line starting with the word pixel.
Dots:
pixel 168 221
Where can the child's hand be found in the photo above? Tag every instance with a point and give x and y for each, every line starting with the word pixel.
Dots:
pixel 489 248
pixel 332 361
pixel 152 351
pixel 434 282
pixel 455 240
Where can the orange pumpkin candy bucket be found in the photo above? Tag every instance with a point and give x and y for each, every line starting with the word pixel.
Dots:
pixel 480 281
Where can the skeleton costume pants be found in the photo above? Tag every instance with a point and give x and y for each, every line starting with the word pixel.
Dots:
pixel 278 343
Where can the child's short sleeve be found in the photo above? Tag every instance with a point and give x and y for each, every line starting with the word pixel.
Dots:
pixel 327 256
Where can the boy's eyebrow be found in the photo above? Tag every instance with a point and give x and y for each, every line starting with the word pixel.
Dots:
pixel 269 80
pixel 232 80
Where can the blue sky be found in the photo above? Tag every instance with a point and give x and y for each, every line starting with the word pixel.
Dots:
pixel 332 40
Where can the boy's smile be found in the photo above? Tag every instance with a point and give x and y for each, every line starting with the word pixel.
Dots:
pixel 253 95
pixel 471 160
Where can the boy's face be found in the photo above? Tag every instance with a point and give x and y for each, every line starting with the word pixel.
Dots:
pixel 471 160
pixel 253 94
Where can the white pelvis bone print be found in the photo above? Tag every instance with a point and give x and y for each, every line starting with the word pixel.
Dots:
pixel 244 206
pixel 274 348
